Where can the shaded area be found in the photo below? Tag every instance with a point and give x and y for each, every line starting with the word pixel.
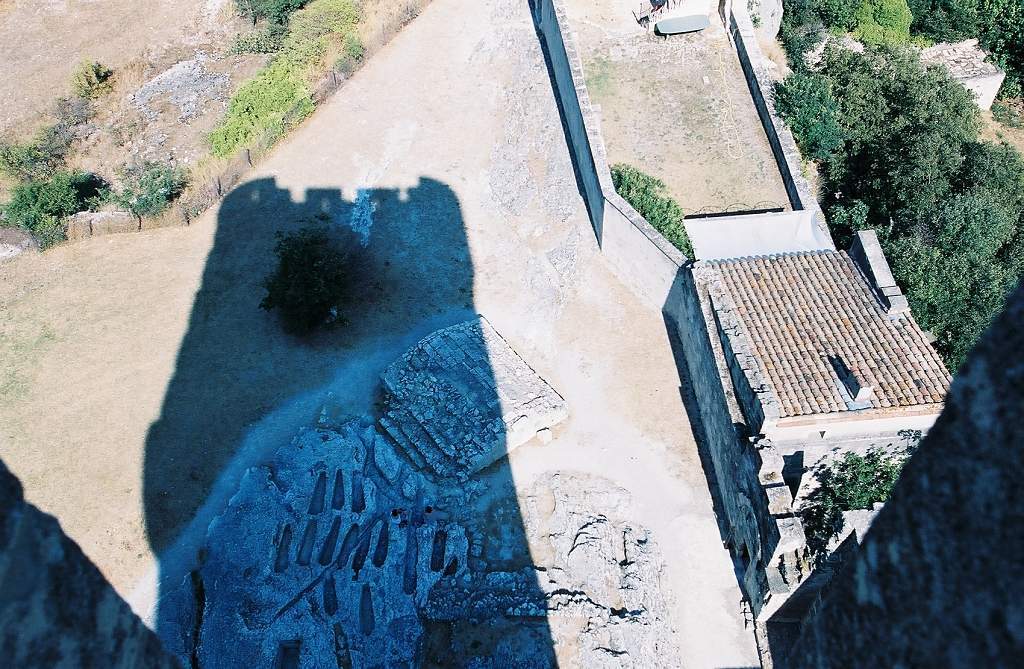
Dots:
pixel 235 367
pixel 56 608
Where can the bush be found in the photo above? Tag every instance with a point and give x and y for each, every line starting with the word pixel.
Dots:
pixel 647 195
pixel 352 52
pixel 39 206
pixel 278 97
pixel 260 40
pixel 275 11
pixel 312 281
pixel 43 155
pixel 91 79
pixel 149 188
pixel 812 112
pixel 847 484
pixel 883 22
pixel 839 14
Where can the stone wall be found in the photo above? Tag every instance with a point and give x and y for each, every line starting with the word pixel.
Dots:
pixel 56 608
pixel 752 501
pixel 937 581
pixel 761 84
pixel 758 522
pixel 644 259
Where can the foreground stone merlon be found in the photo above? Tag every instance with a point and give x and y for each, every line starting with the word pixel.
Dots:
pixel 56 608
pixel 463 398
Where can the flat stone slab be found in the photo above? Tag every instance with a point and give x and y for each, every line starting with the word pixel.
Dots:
pixel 462 398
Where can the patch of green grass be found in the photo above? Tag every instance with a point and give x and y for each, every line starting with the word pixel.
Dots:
pixel 21 354
pixel 600 81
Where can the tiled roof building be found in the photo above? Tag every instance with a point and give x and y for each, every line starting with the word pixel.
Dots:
pixel 812 338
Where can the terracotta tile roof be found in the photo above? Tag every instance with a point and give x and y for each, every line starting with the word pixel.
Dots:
pixel 801 312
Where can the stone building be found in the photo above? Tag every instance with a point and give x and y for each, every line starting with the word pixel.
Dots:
pixel 969 65
pixel 817 354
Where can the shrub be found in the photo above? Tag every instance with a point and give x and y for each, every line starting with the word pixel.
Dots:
pixel 311 283
pixel 847 484
pixel 883 22
pixel 43 155
pixel 278 97
pixel 840 14
pixel 352 52
pixel 647 195
pixel 149 188
pixel 91 79
pixel 275 11
pixel 260 40
pixel 39 206
pixel 1007 114
pixel 812 112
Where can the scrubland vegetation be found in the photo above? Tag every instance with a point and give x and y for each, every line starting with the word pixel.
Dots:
pixel 279 96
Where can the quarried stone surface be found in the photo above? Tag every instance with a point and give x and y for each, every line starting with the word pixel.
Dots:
pixel 463 398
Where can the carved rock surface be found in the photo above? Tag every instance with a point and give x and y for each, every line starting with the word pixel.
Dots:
pixel 463 398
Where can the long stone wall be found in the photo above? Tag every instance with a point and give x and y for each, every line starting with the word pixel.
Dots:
pixel 759 526
pixel 645 260
pixel 761 83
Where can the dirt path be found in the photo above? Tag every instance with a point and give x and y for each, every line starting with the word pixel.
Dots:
pixel 141 378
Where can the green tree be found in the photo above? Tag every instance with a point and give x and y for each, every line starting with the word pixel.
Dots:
pixel 958 270
pixel 312 281
pixel 812 112
pixel 648 195
pixel 838 14
pixel 847 484
pixel 905 128
pixel 883 22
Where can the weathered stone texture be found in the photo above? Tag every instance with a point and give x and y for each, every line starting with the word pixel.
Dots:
pixel 462 398
pixel 56 608
pixel 937 580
